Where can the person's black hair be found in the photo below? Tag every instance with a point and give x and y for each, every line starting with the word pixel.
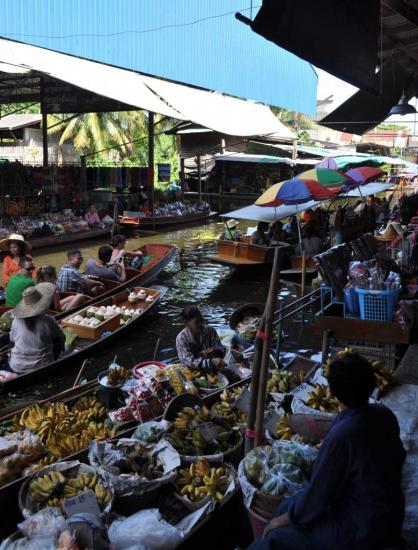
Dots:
pixel 20 246
pixel 46 272
pixel 24 259
pixel 351 379
pixel 262 226
pixel 105 253
pixel 191 312
pixel 72 253
pixel 117 240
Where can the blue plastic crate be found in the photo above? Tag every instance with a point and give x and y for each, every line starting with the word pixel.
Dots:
pixel 377 305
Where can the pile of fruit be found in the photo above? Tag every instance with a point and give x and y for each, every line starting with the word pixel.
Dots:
pixel 136 460
pixel 5 323
pixel 284 431
pixel 65 430
pixel 180 377
pixel 282 381
pixel 208 381
pixel 117 376
pixel 187 438
pixel 321 399
pixel 54 487
pixel 225 409
pixel 201 480
pixel 247 328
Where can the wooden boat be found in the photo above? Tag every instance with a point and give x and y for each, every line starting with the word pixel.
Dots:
pixel 295 272
pixel 84 347
pixel 132 221
pixel 244 255
pixel 58 240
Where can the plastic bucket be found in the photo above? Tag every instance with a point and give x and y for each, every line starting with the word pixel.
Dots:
pixel 258 523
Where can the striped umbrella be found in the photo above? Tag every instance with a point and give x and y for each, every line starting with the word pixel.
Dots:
pixel 294 191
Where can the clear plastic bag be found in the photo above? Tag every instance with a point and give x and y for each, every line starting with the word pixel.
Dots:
pixel 28 544
pixel 296 453
pixel 256 465
pixel 144 529
pixel 284 479
pixel 149 432
pixel 47 523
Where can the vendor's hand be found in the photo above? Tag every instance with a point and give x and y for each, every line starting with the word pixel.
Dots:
pixel 206 352
pixel 276 523
pixel 217 362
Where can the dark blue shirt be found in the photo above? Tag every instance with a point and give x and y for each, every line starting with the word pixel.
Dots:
pixel 354 498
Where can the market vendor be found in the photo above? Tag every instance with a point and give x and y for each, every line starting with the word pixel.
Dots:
pixel 48 274
pixel 231 232
pixel 198 345
pixel 354 498
pixel 71 280
pixel 36 338
pixel 19 282
pixel 17 247
pixel 99 268
pixel 92 216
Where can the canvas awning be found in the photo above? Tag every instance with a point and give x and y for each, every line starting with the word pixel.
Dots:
pixel 246 157
pixel 270 215
pixel 65 83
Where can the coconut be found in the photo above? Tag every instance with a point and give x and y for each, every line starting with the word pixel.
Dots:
pixel 99 316
pixel 126 316
pixel 108 315
pixel 77 319
pixel 132 298
pixel 142 295
pixel 149 298
pixel 90 312
pixel 118 310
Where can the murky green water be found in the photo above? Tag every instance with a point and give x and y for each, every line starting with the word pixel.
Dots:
pixel 191 279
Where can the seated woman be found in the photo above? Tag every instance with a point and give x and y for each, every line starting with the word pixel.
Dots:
pixel 198 345
pixel 36 338
pixel 92 216
pixel 119 253
pixel 17 248
pixel 48 274
pixel 312 244
pixel 231 232
pixel 276 234
pixel 259 235
pixel 99 268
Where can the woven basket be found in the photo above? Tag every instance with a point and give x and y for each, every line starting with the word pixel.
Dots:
pixel 264 505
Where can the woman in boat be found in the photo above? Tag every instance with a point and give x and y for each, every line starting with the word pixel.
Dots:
pixel 99 268
pixel 92 216
pixel 17 248
pixel 259 236
pixel 231 232
pixel 276 234
pixel 198 345
pixel 36 338
pixel 119 253
pixel 48 274
pixel 312 243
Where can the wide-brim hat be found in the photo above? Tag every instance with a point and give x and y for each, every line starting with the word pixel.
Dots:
pixel 35 300
pixel 231 223
pixel 5 243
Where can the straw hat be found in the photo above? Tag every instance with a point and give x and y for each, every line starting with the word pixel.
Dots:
pixel 231 223
pixel 35 300
pixel 5 243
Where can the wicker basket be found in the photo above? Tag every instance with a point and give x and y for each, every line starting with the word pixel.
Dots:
pixel 233 454
pixel 264 505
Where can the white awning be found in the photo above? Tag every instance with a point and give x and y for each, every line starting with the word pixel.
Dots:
pixel 224 114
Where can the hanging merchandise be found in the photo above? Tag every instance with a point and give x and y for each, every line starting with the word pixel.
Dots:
pixel 164 171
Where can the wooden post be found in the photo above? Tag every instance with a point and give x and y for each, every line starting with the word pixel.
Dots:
pixel 151 160
pixel 303 281
pixel 325 345
pixel 294 149
pixel 83 176
pixel 199 179
pixel 182 178
pixel 44 140
pixel 269 314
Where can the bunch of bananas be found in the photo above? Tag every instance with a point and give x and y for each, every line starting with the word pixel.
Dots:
pixel 187 438
pixel 321 399
pixel 117 375
pixel 83 483
pixel 189 373
pixel 41 488
pixel 64 431
pixel 190 417
pixel 225 412
pixel 283 381
pixel 200 481
pixel 230 396
pixel 284 431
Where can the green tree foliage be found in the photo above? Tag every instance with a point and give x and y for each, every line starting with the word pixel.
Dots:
pixel 21 108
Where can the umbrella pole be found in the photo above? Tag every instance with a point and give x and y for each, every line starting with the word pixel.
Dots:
pixel 303 274
pixel 263 375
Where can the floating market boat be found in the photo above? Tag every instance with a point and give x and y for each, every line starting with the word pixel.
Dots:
pixel 77 236
pixel 245 255
pixel 148 222
pixel 91 337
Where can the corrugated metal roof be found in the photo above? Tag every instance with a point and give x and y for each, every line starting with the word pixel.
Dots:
pixel 198 42
pixel 13 122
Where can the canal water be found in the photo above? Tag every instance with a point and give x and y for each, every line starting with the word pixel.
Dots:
pixel 191 279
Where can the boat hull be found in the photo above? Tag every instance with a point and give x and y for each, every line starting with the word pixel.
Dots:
pixel 162 221
pixel 244 255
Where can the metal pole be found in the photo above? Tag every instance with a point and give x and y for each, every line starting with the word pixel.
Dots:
pixel 151 160
pixel 182 178
pixel 45 140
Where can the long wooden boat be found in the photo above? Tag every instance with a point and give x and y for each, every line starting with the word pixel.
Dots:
pixel 84 347
pixel 240 255
pixel 148 222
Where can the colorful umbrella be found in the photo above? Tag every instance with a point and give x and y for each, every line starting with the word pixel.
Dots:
pixel 328 177
pixel 364 174
pixel 327 162
pixel 294 191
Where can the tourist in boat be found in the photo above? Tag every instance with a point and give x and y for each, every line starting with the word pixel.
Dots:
pixel 20 281
pixel 312 243
pixel 290 229
pixel 92 216
pixel 119 253
pixel 354 497
pixel 36 338
pixel 17 247
pixel 71 280
pixel 259 236
pixel 48 274
pixel 144 208
pixel 231 232
pixel 198 345
pixel 99 268
pixel 276 234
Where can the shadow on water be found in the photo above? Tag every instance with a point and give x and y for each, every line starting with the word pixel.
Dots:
pixel 191 279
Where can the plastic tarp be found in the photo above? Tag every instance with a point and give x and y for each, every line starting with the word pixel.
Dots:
pixel 224 114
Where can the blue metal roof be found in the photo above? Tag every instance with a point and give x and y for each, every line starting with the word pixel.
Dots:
pixel 197 42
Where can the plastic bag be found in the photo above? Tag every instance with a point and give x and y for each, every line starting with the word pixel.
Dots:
pixel 146 528
pixel 256 465
pixel 296 453
pixel 284 479
pixel 28 544
pixel 47 523
pixel 149 432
